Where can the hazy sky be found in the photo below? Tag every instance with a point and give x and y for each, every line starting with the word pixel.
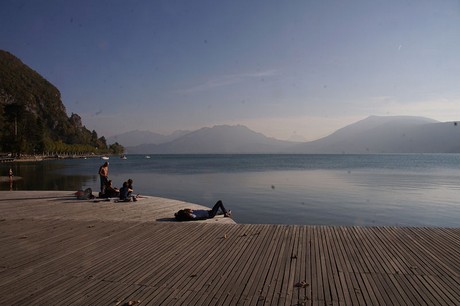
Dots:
pixel 282 68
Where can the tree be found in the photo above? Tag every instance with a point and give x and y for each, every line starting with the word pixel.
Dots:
pixel 32 115
pixel 116 148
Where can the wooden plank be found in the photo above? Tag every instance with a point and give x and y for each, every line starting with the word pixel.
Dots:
pixel 405 290
pixel 51 292
pixel 225 258
pixel 360 257
pixel 269 236
pixel 338 253
pixel 353 268
pixel 285 275
pixel 368 256
pixel 250 259
pixel 264 296
pixel 376 258
pixel 188 263
pixel 58 259
pixel 293 265
pixel 427 264
pixel 439 291
pixel 27 295
pixel 299 294
pixel 429 243
pixel 180 257
pixel 330 290
pixel 337 268
pixel 316 278
pixel 392 257
pixel 345 269
pixel 274 291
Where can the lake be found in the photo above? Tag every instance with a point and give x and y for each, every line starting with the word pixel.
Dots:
pixel 365 190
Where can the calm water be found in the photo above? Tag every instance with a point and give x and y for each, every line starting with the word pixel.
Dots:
pixel 395 190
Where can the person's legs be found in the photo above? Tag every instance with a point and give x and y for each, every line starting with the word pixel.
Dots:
pixel 104 182
pixel 215 209
pixel 102 179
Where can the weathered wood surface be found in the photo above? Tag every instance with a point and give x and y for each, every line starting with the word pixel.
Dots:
pixel 73 261
pixel 64 205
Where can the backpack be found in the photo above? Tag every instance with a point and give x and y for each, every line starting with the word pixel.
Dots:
pixel 85 195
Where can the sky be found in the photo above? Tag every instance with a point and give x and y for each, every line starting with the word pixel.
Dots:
pixel 288 69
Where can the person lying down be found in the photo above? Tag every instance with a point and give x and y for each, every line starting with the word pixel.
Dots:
pixel 201 214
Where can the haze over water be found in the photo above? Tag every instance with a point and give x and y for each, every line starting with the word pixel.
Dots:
pixel 368 190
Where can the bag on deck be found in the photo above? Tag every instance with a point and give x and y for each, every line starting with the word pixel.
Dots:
pixel 87 194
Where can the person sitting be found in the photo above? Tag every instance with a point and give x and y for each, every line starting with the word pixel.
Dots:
pixel 110 191
pixel 201 214
pixel 125 194
pixel 130 187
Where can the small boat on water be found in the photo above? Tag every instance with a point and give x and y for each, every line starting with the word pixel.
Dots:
pixel 147 156
pixel 123 157
pixel 105 157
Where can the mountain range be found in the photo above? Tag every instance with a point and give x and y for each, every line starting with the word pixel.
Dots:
pixel 375 134
pixel 34 119
pixel 134 138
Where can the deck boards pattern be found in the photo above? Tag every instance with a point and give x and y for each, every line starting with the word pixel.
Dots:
pixel 64 205
pixel 111 262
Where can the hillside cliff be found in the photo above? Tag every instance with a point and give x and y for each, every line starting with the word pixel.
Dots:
pixel 33 118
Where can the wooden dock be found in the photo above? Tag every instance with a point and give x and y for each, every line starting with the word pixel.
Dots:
pixel 90 255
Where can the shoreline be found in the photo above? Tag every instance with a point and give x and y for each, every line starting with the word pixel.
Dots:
pixel 50 157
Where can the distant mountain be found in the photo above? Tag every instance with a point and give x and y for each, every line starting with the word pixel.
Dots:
pixel 388 134
pixel 222 139
pixel 392 134
pixel 135 138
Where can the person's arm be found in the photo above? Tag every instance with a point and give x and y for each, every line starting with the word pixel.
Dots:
pixel 190 213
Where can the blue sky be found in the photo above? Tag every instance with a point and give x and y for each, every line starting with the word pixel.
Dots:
pixel 282 68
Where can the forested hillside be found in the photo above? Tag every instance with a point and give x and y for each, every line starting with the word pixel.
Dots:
pixel 33 119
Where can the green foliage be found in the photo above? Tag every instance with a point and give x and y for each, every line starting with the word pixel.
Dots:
pixel 33 118
pixel 116 148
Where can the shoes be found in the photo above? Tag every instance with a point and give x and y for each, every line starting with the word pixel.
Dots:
pixel 228 214
pixel 134 199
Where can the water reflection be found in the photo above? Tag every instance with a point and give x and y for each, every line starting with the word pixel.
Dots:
pixel 353 196
pixel 41 176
